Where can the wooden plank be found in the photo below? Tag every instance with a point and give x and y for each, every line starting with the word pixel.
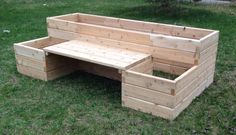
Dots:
pixel 187 101
pixel 32 72
pixel 41 42
pixel 44 43
pixel 99 40
pixel 101 31
pixel 60 71
pixel 209 40
pixel 147 107
pixel 169 68
pixel 148 81
pixel 211 50
pixel 189 75
pixel 112 57
pixel 196 82
pixel 173 63
pixel 66 35
pixel 177 43
pixel 174 55
pixel 148 95
pixel 28 51
pixel 143 67
pixel 30 62
pixel 100 70
pixel 150 27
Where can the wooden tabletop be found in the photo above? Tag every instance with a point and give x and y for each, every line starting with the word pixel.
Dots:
pixel 99 54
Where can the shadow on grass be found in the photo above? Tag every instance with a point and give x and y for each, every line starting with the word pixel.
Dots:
pixel 92 85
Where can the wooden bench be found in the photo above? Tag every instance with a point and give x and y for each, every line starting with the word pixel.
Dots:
pixel 113 57
pixel 129 51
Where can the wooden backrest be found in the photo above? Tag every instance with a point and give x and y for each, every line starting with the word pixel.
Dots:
pixel 180 50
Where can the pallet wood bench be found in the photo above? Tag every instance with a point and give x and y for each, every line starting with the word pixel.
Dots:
pixel 129 51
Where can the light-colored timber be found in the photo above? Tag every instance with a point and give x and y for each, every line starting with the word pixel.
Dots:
pixel 128 51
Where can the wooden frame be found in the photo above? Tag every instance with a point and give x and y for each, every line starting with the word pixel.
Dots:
pixel 184 51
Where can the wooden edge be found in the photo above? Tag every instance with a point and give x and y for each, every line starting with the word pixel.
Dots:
pixel 138 62
pixel 151 76
pixel 25 43
pixel 152 35
pixel 141 67
pixel 189 71
pixel 154 23
pixel 147 107
pixel 176 43
pixel 29 51
pixel 172 69
pixel 59 16
pixel 209 40
pixel 100 26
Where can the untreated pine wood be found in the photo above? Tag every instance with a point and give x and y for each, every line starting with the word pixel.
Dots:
pixel 169 68
pixel 148 81
pixel 100 70
pixel 147 95
pixel 110 47
pixel 95 53
pixel 147 107
pixel 188 76
pixel 139 37
pixel 144 67
pixel 29 52
pixel 32 72
pixel 157 52
pixel 30 62
pixel 150 27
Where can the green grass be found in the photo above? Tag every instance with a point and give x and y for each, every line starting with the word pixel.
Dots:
pixel 82 103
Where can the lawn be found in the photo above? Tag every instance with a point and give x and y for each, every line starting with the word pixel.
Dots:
pixel 82 103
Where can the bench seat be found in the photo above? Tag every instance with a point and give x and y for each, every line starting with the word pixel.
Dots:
pixel 109 56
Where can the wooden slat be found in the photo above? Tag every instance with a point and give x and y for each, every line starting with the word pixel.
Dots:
pixel 98 40
pixel 143 67
pixel 148 81
pixel 101 31
pixel 173 63
pixel 41 42
pixel 177 43
pixel 209 40
pixel 166 29
pixel 147 107
pixel 152 96
pixel 169 68
pixel 112 57
pixel 186 102
pixel 100 70
pixel 189 75
pixel 194 84
pixel 174 55
pixel 60 71
pixel 28 51
pixel 30 62
pixel 208 52
pixel 32 72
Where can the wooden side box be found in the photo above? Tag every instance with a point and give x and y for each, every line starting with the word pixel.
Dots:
pixel 32 61
pixel 167 98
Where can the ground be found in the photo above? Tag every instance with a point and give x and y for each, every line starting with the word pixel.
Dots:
pixel 82 103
